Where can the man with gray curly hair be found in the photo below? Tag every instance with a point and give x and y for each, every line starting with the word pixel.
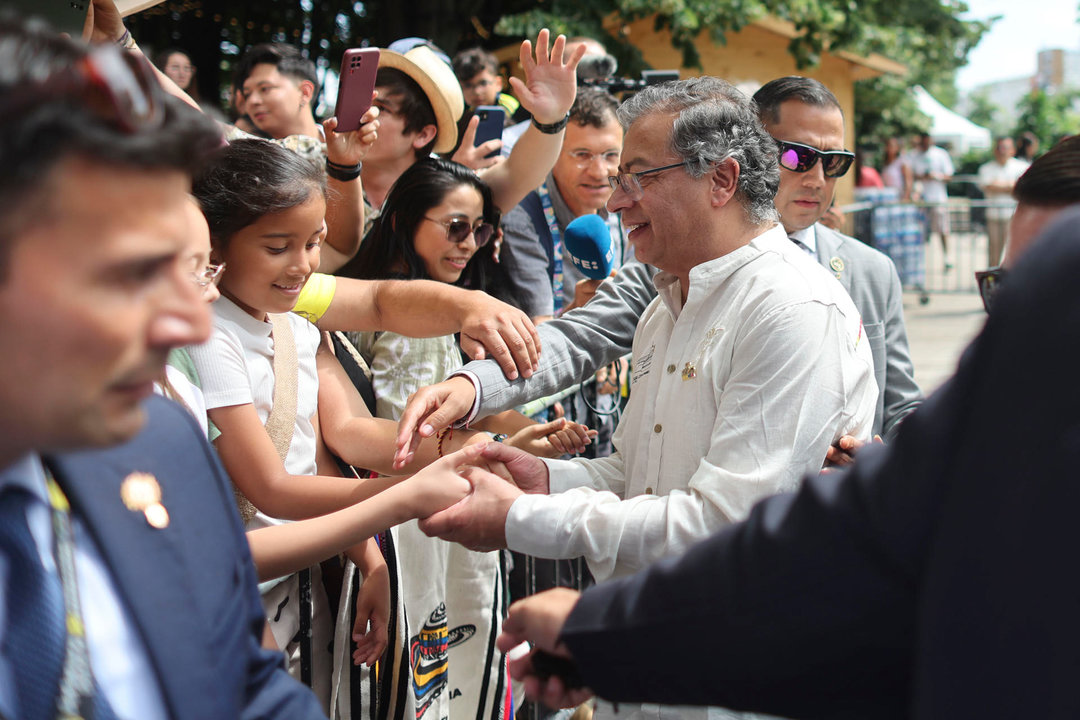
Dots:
pixel 714 122
pixel 746 367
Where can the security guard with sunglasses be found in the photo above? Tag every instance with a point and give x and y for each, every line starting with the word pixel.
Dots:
pixel 806 121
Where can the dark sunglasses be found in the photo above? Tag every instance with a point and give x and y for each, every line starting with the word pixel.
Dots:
pixel 458 230
pixel 800 158
pixel 989 282
pixel 116 86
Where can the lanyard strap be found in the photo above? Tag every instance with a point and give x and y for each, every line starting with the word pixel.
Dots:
pixel 556 247
pixel 76 696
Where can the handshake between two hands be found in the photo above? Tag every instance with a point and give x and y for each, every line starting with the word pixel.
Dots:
pixel 465 496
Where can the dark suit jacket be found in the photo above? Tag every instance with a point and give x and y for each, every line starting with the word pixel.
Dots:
pixel 870 278
pixel 190 588
pixel 937 579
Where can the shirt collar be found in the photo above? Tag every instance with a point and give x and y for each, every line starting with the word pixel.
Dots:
pixel 26 473
pixel 228 310
pixel 714 271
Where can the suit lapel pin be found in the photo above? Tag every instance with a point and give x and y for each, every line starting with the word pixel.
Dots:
pixel 837 265
pixel 689 372
pixel 141 493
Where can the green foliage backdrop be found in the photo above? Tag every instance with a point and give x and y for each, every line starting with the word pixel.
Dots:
pixel 927 35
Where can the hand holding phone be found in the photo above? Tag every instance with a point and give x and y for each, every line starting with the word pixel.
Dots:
pixel 355 86
pixel 492 120
pixel 545 665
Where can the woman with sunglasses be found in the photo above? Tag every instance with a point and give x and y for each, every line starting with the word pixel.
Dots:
pixel 438 222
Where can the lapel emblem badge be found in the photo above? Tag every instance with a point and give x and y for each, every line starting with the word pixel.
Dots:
pixel 141 493
pixel 689 372
pixel 837 265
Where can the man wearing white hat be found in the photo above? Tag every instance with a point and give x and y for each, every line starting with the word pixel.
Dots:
pixel 420 103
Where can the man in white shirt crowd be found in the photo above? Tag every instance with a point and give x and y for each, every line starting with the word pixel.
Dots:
pixel 997 179
pixel 932 166
pixel 748 365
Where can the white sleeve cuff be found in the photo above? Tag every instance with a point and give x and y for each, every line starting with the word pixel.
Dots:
pixel 477 399
pixel 565 475
pixel 529 523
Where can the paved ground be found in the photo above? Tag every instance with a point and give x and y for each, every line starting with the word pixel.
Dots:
pixel 939 331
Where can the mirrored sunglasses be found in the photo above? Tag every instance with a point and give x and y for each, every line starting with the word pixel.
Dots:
pixel 802 158
pixel 458 230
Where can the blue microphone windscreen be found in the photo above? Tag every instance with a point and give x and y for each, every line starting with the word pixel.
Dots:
pixel 588 242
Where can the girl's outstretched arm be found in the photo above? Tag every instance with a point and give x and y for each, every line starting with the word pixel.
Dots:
pixel 351 433
pixel 253 464
pixel 282 549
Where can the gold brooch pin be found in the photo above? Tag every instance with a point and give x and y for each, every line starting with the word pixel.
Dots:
pixel 689 372
pixel 141 493
pixel 837 265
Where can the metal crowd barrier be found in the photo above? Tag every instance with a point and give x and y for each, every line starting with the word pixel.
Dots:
pixel 910 234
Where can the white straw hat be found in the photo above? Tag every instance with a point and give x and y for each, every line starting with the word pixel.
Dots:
pixel 439 84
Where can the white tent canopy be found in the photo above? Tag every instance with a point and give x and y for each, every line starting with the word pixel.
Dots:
pixel 949 128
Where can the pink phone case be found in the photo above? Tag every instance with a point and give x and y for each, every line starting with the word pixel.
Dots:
pixel 355 85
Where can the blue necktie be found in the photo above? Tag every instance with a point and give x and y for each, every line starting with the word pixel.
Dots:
pixel 35 638
pixel 35 633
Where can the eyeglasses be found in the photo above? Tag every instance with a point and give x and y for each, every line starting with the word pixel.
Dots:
pixel 478 85
pixel 630 182
pixel 209 275
pixel 458 230
pixel 584 158
pixel 989 282
pixel 114 85
pixel 802 158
